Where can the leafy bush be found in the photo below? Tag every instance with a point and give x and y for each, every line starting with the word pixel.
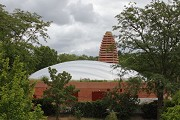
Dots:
pixel 95 109
pixel 111 116
pixel 172 113
pixel 46 105
pixel 122 103
pixel 167 104
pixel 172 108
pixel 78 114
pixel 150 110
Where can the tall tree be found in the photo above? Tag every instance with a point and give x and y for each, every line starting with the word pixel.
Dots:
pixel 19 32
pixel 59 91
pixel 153 34
pixel 16 94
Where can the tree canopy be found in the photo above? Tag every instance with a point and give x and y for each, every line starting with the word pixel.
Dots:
pixel 22 26
pixel 20 31
pixel 152 35
pixel 46 56
pixel 16 93
pixel 70 57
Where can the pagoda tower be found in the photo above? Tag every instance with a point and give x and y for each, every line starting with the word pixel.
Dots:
pixel 108 50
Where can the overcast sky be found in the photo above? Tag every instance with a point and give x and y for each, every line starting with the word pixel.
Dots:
pixel 78 25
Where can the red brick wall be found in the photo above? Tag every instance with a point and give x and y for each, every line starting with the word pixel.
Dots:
pixel 87 88
pixel 98 95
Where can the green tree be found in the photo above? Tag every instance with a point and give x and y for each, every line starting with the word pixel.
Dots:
pixel 16 94
pixel 19 32
pixel 71 57
pixel 22 26
pixel 59 90
pixel 46 57
pixel 152 33
pixel 23 51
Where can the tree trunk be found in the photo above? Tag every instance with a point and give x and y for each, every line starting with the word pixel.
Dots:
pixel 57 117
pixel 159 104
pixel 57 112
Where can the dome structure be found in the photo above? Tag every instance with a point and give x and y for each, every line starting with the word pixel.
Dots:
pixel 86 69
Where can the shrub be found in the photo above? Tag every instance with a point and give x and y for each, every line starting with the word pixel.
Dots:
pixel 172 108
pixel 46 105
pixel 95 109
pixel 111 116
pixel 123 104
pixel 78 114
pixel 167 104
pixel 150 110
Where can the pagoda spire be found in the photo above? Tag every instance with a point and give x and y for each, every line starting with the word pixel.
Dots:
pixel 108 50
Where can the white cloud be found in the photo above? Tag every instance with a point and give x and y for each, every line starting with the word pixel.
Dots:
pixel 83 12
pixel 78 25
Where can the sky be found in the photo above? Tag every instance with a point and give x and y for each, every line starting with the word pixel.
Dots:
pixel 77 26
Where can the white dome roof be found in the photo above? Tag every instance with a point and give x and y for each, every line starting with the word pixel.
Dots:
pixel 86 69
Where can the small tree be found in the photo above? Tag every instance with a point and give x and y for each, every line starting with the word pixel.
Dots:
pixel 59 91
pixel 16 94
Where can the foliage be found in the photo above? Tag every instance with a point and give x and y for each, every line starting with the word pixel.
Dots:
pixel 16 94
pixel 122 103
pixel 90 80
pixel 46 57
pixel 59 91
pixel 19 32
pixel 46 106
pixel 71 57
pixel 176 98
pixel 151 34
pixel 168 103
pixel 21 50
pixel 22 26
pixel 150 110
pixel 172 109
pixel 78 114
pixel 133 86
pixel 111 116
pixel 94 109
pixel 172 113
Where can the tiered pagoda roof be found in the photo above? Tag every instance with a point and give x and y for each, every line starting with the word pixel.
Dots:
pixel 108 50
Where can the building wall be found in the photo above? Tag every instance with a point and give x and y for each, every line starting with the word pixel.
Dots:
pixel 89 90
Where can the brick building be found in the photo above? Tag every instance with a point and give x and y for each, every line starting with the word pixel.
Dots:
pixel 91 91
pixel 92 71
